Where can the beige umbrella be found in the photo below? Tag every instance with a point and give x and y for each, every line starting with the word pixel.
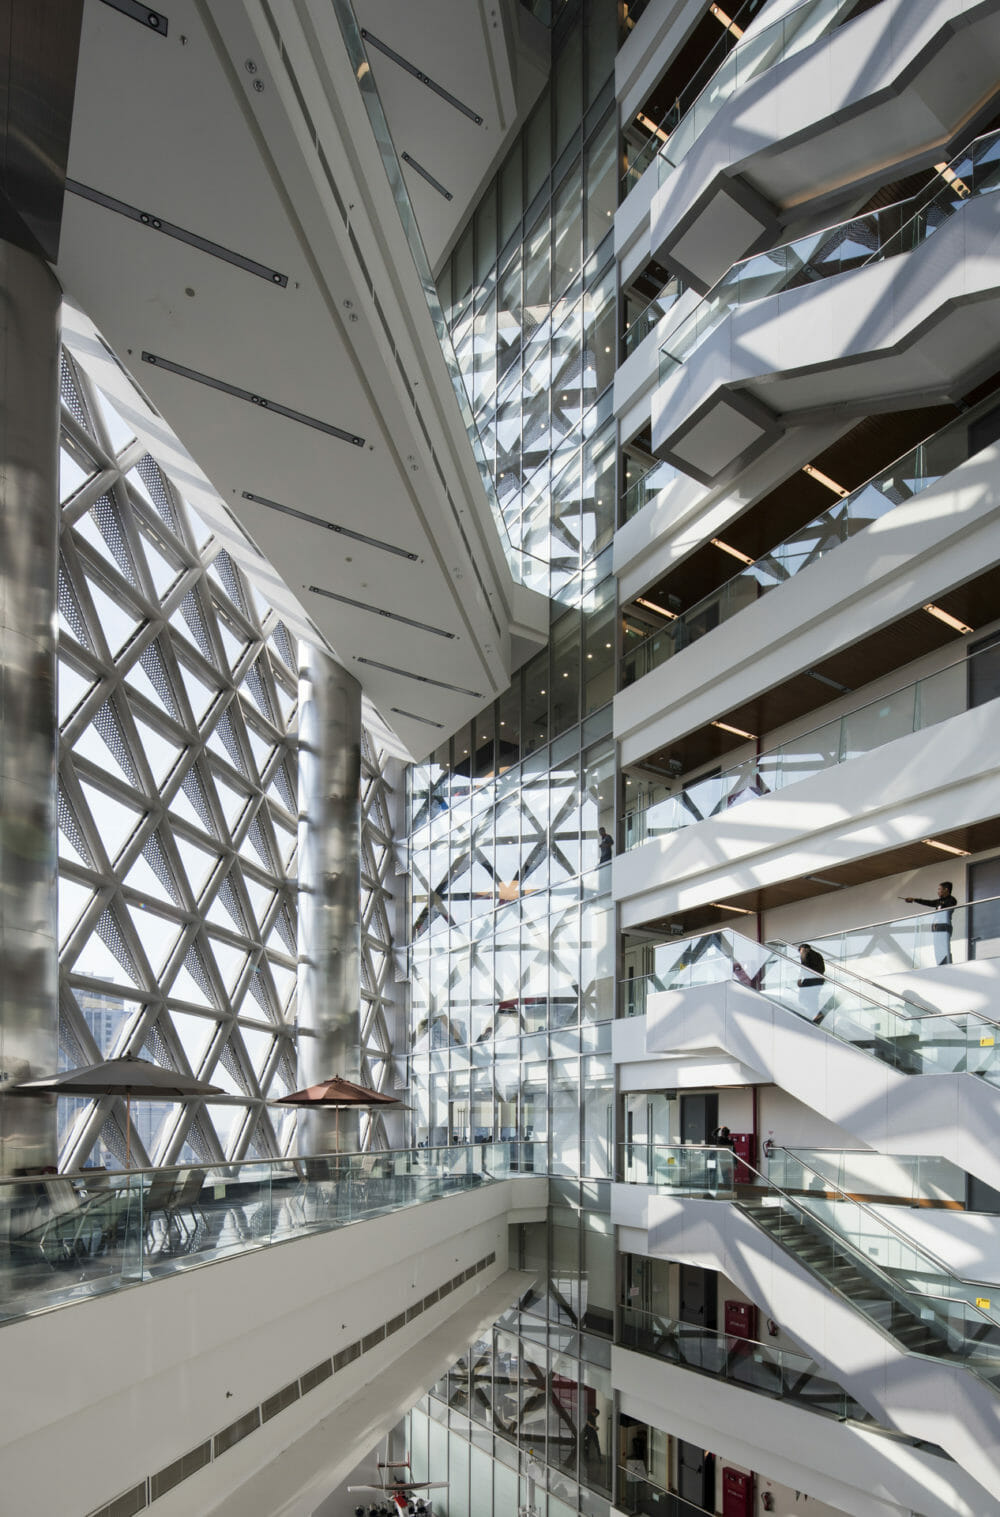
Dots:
pixel 337 1093
pixel 128 1076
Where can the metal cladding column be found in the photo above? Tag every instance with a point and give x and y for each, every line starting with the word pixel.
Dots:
pixel 29 522
pixel 329 891
pixel 38 62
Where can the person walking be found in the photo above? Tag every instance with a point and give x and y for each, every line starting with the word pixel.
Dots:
pixel 810 981
pixel 605 845
pixel 944 909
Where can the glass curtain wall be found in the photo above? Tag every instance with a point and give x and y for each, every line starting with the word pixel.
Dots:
pixel 178 691
pixel 512 927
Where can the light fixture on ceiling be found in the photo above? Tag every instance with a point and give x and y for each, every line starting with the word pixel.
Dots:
pixel 946 617
pixel 733 552
pixel 740 911
pixel 651 126
pixel 726 21
pixel 640 600
pixel 736 731
pixel 824 479
pixel 962 853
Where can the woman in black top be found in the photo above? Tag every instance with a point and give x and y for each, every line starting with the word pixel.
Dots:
pixel 811 981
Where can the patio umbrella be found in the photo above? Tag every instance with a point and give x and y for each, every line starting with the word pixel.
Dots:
pixel 128 1076
pixel 339 1094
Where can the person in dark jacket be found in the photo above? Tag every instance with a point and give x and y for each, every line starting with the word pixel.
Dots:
pixel 944 907
pixel 811 981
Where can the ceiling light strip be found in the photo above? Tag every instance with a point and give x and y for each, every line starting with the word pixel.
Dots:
pixel 153 21
pixel 413 717
pixel 255 400
pixel 330 526
pixel 946 617
pixel 424 679
pixel 181 234
pixel 394 616
pixel 418 74
pixel 426 174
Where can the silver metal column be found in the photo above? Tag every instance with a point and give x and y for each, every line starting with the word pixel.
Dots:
pixel 29 521
pixel 329 890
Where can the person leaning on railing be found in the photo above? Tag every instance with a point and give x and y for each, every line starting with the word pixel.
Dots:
pixel 944 907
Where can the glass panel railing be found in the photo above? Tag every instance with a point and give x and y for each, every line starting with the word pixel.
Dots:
pixel 66 1238
pixel 696 1169
pixel 922 466
pixel 640 322
pixel 913 707
pixel 873 1019
pixel 641 490
pixel 903 1289
pixel 757 52
pixel 848 245
pixel 919 940
pixel 920 1179
pixel 741 1361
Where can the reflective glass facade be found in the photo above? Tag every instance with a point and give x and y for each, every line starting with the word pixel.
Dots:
pixel 512 927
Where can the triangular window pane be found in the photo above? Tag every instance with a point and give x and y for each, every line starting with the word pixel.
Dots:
pixel 224 1071
pixel 73 686
pixel 161 752
pixel 108 1016
pixel 258 1046
pixel 194 1035
pixel 102 527
pixel 234 646
pixel 200 695
pixel 120 434
pixel 233 802
pixel 284 647
pixel 196 793
pixel 163 571
pixel 227 1120
pixel 284 982
pixel 118 622
pixel 158 935
pixel 72 844
pixel 229 959
pixel 141 877
pixel 149 482
pixel 261 747
pixel 73 900
pixel 71 618
pixel 286 701
pixel 115 822
pixel 186 988
pixel 260 895
pixel 92 746
pixel 198 863
pixel 225 908
pixel 72 473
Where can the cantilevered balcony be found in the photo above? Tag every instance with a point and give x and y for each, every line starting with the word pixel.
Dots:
pixel 816 127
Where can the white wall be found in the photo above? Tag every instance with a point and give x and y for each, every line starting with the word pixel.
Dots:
pixel 168 1364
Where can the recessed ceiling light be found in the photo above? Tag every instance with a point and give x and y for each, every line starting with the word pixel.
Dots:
pixel 727 21
pixel 717 542
pixel 962 853
pixel 739 910
pixel 949 620
pixel 736 731
pixel 652 606
pixel 651 126
pixel 824 479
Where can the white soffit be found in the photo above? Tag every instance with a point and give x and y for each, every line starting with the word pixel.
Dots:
pixel 207 131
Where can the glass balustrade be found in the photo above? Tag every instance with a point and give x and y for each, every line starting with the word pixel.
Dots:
pixel 931 460
pixel 759 51
pixel 848 245
pixel 756 1366
pixel 640 491
pixel 639 324
pixel 900 1032
pixel 920 704
pixel 67 1238
pixel 911 942
pixel 904 1289
pixel 733 61
pixel 919 1179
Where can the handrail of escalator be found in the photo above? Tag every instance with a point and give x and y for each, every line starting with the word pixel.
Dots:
pixel 909 1300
